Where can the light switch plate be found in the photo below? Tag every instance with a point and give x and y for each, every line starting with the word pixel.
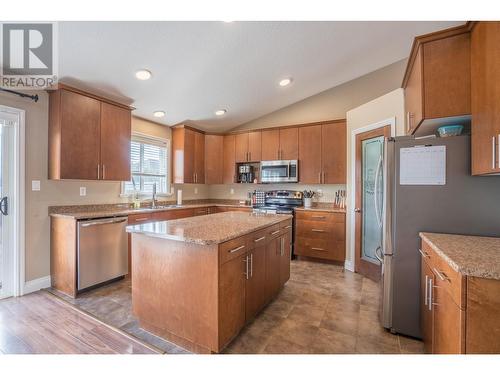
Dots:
pixel 196 190
pixel 232 191
pixel 35 185
pixel 83 191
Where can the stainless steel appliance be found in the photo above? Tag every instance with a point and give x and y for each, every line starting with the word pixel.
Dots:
pixel 465 204
pixel 245 173
pixel 279 202
pixel 102 250
pixel 279 171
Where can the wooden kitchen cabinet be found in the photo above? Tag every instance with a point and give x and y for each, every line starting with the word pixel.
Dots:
pixel 248 147
pixel 229 162
pixel 485 91
pixel 241 147
pixel 188 154
pixel 285 255
pixel 255 287
pixel 270 144
pixel 437 80
pixel 280 144
pixel 320 234
pixel 214 148
pixel 89 137
pixel 310 154
pixel 427 281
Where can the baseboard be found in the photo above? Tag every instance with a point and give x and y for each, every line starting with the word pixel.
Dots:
pixel 37 284
pixel 348 265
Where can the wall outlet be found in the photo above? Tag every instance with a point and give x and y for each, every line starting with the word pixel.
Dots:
pixel 232 191
pixel 83 191
pixel 196 190
pixel 35 185
pixel 320 192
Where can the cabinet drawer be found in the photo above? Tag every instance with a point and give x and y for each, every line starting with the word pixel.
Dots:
pixel 140 218
pixel 313 229
pixel 286 224
pixel 201 211
pixel 232 249
pixel 320 216
pixel 273 231
pixel 257 238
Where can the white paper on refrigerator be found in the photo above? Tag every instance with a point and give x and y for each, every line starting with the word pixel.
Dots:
pixel 422 165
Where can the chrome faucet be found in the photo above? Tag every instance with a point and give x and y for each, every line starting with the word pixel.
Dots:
pixel 153 202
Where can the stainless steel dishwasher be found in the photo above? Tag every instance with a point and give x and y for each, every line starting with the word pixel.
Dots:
pixel 102 250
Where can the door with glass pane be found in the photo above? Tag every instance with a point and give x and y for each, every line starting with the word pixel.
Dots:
pixel 369 201
pixel 8 125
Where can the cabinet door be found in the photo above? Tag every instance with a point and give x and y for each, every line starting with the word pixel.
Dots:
pixel 254 146
pixel 426 281
pixel 80 136
pixel 414 95
pixel 231 298
pixel 229 166
pixel 213 158
pixel 310 154
pixel 115 143
pixel 289 144
pixel 334 153
pixel 285 256
pixel 241 147
pixel 199 158
pixel 449 322
pixel 485 91
pixel 272 267
pixel 256 283
pixel 270 144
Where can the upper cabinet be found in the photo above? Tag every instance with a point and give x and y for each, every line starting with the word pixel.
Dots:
pixel 437 81
pixel 214 148
pixel 322 153
pixel 188 154
pixel 485 94
pixel 280 144
pixel 89 137
pixel 247 146
pixel 228 164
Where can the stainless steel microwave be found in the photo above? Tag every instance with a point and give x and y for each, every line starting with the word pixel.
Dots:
pixel 279 171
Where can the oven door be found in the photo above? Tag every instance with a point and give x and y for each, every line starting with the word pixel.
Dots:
pixel 278 171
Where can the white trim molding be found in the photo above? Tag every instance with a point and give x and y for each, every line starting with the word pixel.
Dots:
pixel 37 284
pixel 351 263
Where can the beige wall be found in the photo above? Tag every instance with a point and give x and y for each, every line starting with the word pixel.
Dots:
pixel 385 107
pixel 335 102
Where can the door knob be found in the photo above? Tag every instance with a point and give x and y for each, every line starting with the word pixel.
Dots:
pixel 357 210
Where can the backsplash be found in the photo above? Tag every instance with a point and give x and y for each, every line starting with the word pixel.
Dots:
pixel 324 193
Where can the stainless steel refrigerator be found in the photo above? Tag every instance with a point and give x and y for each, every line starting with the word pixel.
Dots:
pixel 464 204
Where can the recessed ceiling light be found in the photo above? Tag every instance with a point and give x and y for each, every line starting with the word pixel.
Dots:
pixel 220 112
pixel 159 114
pixel 285 82
pixel 143 74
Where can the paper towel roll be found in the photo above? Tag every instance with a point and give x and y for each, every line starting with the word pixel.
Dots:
pixel 179 197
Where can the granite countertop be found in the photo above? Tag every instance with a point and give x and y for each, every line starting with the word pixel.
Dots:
pixel 469 255
pixel 323 207
pixel 209 229
pixel 109 210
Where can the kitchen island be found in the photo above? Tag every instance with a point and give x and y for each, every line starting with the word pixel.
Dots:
pixel 197 281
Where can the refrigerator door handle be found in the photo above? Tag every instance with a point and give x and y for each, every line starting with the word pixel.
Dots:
pixel 375 193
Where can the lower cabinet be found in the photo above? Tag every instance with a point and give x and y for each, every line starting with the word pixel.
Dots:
pixel 255 274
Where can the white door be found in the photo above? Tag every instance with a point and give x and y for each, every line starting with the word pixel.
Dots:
pixel 9 123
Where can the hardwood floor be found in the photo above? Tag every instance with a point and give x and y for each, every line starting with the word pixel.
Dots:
pixel 322 309
pixel 40 323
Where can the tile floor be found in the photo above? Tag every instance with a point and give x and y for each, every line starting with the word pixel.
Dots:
pixel 321 309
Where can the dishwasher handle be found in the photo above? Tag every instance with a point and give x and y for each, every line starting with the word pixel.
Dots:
pixel 102 222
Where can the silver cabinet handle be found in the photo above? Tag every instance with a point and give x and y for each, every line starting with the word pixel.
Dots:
pixel 246 267
pixel 98 170
pixel 236 249
pixel 260 239
pixel 426 289
pixel 251 265
pixel 424 255
pixel 103 171
pixel 142 219
pixel 317 230
pixel 493 156
pixel 318 248
pixel 318 217
pixel 319 177
pixel 288 227
pixel 429 304
pixel 441 275
pixel 114 221
pixel 407 122
pixel 275 232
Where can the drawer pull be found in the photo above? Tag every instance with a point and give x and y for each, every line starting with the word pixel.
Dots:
pixel 442 275
pixel 275 232
pixel 317 230
pixel 317 248
pixel 424 254
pixel 260 239
pixel 236 249
pixel 288 227
pixel 318 217
pixel 142 219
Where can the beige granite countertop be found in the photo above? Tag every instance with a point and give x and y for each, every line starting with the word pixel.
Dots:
pixel 209 229
pixel 469 255
pixel 80 212
pixel 323 207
